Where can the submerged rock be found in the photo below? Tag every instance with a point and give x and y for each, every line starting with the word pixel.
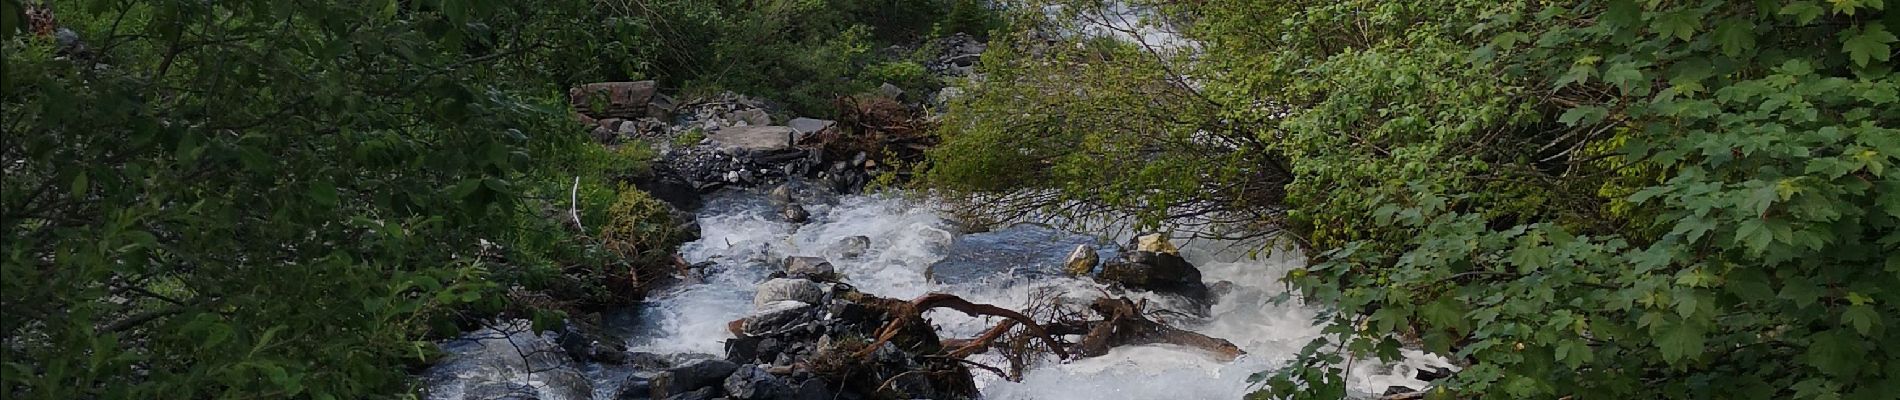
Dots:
pixel 851 247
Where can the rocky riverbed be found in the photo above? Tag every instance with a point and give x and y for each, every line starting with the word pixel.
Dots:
pixel 778 309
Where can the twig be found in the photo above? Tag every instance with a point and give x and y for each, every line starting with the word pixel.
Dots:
pixel 574 204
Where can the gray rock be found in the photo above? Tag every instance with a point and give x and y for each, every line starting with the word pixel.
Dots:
pixel 811 126
pixel 891 91
pixel 753 383
pixel 752 117
pixel 809 266
pixel 691 377
pixel 782 289
pixel 851 247
pixel 781 194
pixel 753 138
pixel 776 316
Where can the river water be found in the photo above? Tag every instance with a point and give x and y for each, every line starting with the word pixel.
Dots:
pixel 745 241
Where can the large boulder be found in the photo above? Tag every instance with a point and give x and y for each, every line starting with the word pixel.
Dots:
pixel 776 316
pixel 810 126
pixel 782 289
pixel 1155 265
pixel 753 138
pixel 706 373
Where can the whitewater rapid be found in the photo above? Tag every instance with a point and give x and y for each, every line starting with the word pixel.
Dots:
pixel 744 241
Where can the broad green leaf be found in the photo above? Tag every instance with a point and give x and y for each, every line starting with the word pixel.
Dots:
pixel 1868 45
pixel 1736 36
pixel 1836 353
pixel 1680 341
pixel 1863 318
pixel 1680 24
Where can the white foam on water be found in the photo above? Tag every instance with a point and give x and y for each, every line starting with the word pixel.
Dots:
pixel 907 235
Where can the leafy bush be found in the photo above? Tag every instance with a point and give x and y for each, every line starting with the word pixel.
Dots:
pixel 281 201
pixel 1612 199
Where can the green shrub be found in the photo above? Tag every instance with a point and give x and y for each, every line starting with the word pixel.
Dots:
pixel 1613 199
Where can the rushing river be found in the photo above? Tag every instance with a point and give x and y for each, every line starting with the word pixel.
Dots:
pixel 744 240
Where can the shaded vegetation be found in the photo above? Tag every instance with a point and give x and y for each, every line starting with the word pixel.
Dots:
pixel 1612 199
pixel 243 199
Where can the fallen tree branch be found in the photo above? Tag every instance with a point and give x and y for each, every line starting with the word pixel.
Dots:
pixel 905 313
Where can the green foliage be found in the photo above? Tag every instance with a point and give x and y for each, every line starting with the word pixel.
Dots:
pixel 1102 123
pixel 1616 199
pixel 806 53
pixel 263 199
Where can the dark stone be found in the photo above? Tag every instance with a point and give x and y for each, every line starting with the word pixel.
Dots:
pixel 753 383
pixel 1397 390
pixel 705 393
pixel 1159 272
pixel 851 247
pixel 743 349
pixel 812 389
pixel 636 387
pixel 695 375
pixel 1433 373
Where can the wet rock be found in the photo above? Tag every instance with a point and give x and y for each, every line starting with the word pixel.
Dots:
pixel 776 316
pixel 1160 272
pixel 753 383
pixel 753 138
pixel 851 247
pixel 795 213
pixel 691 377
pixel 706 393
pixel 500 353
pixel 501 391
pixel 1432 373
pixel 781 194
pixel 814 267
pixel 1081 261
pixel 782 289
pixel 638 386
